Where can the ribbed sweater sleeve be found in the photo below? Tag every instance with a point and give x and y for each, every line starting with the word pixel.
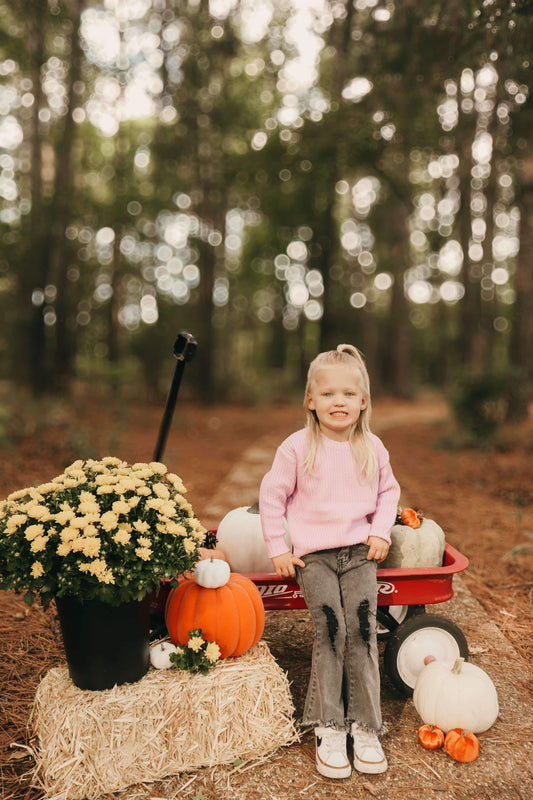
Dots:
pixel 333 506
pixel 276 489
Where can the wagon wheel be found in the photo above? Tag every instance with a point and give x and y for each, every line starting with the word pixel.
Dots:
pixel 389 617
pixel 416 638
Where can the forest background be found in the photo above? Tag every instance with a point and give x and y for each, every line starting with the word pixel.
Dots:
pixel 275 176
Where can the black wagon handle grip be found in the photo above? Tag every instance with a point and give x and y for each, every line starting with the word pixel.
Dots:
pixel 184 350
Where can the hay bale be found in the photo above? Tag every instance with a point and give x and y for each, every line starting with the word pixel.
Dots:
pixel 91 743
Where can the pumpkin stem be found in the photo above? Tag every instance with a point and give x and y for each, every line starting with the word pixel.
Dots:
pixel 456 669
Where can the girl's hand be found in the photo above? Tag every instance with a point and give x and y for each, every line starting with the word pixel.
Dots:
pixel 377 549
pixel 284 565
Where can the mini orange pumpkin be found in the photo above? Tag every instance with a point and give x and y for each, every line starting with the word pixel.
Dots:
pixel 409 517
pixel 232 615
pixel 462 745
pixel 430 737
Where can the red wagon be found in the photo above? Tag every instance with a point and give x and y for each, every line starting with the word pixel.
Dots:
pixel 410 633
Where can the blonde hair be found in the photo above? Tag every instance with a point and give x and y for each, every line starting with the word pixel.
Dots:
pixel 359 437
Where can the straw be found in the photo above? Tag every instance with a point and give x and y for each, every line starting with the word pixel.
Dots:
pixel 92 743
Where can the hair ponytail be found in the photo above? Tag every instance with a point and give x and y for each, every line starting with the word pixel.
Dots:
pixel 359 437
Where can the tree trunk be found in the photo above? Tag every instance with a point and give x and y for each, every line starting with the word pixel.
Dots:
pixel 35 266
pixel 63 196
pixel 521 339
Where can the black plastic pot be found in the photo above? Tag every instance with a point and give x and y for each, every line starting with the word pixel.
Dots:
pixel 104 645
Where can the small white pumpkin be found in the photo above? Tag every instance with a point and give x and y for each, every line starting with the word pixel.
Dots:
pixel 421 547
pixel 240 535
pixel 456 694
pixel 211 573
pixel 160 654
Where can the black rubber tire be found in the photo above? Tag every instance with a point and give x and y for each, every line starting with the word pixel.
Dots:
pixel 384 635
pixel 400 638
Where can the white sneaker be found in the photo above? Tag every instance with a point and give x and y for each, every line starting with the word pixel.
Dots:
pixel 368 755
pixel 331 758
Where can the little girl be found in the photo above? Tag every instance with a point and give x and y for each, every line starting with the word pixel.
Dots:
pixel 334 484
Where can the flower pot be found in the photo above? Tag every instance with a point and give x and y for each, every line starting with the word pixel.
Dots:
pixel 104 645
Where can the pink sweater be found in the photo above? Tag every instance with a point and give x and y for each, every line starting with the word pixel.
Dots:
pixel 331 507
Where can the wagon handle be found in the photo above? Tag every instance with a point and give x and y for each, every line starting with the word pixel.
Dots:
pixel 184 350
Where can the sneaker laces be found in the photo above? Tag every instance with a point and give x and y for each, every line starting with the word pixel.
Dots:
pixel 364 739
pixel 331 741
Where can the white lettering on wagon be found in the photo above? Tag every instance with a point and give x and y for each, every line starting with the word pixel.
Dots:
pixel 384 587
pixel 278 590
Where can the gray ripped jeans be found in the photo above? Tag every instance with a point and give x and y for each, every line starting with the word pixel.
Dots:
pixel 340 591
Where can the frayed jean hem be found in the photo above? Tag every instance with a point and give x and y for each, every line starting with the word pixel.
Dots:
pixel 345 727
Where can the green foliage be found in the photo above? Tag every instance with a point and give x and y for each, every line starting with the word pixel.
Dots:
pixel 198 655
pixel 479 405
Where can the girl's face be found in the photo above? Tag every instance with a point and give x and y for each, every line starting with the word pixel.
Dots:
pixel 335 395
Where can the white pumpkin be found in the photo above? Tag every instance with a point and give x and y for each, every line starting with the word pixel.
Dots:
pixel 160 654
pixel 240 535
pixel 456 695
pixel 416 547
pixel 211 573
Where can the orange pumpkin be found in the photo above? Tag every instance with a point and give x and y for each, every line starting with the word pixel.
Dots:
pixel 409 517
pixel 462 745
pixel 232 615
pixel 430 737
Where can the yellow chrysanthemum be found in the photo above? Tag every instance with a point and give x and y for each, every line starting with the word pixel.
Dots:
pixel 99 569
pixel 91 547
pixel 33 531
pixel 158 468
pixel 37 569
pixel 109 521
pixel 176 482
pixel 14 522
pixel 62 517
pixel 89 507
pixel 69 534
pixel 122 537
pixel 195 643
pixel 212 652
pixel 154 502
pixel 46 488
pixel 144 553
pixel 161 490
pixel 176 529
pixel 141 525
pixel 120 507
pixel 79 522
pixel 39 544
pixel 112 461
pixel 38 512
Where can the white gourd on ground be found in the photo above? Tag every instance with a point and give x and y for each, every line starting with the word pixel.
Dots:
pixel 421 547
pixel 211 573
pixel 456 694
pixel 240 535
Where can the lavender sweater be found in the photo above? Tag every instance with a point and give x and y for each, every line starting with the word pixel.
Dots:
pixel 333 506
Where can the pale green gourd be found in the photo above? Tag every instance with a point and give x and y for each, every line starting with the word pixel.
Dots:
pixel 413 548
